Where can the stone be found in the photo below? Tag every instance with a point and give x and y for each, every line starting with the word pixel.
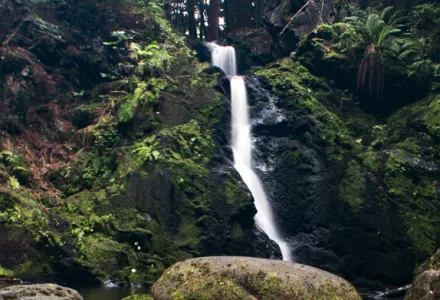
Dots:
pixel 432 263
pixel 39 292
pixel 249 278
pixel 426 286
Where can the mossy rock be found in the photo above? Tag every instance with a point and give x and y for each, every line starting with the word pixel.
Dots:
pixel 244 278
pixel 432 263
pixel 40 292
pixel 138 297
pixel 426 286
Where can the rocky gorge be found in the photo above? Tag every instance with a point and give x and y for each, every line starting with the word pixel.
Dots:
pixel 115 157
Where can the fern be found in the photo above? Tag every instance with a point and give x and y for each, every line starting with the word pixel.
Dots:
pixel 144 92
pixel 130 103
pixel 146 151
pixel 14 184
pixel 382 35
pixel 151 58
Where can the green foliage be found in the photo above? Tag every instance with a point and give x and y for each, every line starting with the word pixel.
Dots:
pixel 145 151
pixel 11 159
pixel 151 58
pixel 105 134
pixel 5 272
pixel 381 34
pixel 13 183
pixel 378 30
pixel 119 37
pixel 143 94
pixel 426 16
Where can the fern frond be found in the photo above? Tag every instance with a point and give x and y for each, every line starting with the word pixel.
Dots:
pixel 409 53
pixel 374 26
pixel 386 36
pixel 386 11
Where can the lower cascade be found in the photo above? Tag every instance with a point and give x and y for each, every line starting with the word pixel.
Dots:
pixel 242 146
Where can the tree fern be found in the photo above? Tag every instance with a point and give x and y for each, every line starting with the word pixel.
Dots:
pixel 380 36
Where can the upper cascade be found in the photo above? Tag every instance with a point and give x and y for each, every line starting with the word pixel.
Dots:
pixel 224 58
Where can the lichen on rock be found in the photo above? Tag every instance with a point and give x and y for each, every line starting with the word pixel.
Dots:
pixel 249 278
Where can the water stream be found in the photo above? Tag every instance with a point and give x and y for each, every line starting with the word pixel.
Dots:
pixel 224 58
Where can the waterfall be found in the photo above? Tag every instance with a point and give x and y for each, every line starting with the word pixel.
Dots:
pixel 224 58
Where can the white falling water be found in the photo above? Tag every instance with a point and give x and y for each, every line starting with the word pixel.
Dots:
pixel 224 58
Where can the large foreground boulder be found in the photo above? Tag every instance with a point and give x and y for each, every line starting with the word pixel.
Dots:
pixel 39 292
pixel 245 278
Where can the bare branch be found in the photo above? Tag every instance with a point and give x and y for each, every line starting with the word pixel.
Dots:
pixel 297 13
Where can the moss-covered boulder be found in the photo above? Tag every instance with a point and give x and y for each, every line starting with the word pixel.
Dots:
pixel 426 286
pixel 427 283
pixel 40 292
pixel 245 278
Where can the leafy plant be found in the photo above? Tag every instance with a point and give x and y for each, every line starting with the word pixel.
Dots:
pixel 380 36
pixel 144 92
pixel 14 184
pixel 151 58
pixel 9 157
pixel 119 36
pixel 146 153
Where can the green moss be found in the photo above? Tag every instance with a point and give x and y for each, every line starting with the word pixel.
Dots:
pixel 103 256
pixel 352 187
pixel 138 297
pixel 5 272
pixel 301 89
pixel 36 269
pixel 198 279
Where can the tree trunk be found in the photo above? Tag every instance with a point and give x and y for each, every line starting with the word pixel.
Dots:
pixel 213 20
pixel 192 26
pixel 239 14
pixel 202 19
pixel 258 13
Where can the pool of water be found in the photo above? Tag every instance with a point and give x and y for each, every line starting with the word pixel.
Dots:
pixel 108 293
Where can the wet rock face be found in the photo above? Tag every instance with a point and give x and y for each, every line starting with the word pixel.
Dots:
pixel 310 193
pixel 39 292
pixel 242 278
